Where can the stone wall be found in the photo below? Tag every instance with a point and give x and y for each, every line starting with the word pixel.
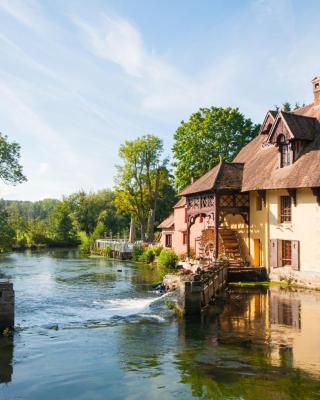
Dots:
pixel 307 279
pixel 6 304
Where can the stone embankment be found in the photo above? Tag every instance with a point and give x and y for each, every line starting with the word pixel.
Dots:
pixel 307 279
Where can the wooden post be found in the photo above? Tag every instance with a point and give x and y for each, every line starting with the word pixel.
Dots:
pixel 216 227
pixel 188 238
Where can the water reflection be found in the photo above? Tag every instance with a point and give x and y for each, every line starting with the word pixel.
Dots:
pixel 6 356
pixel 262 345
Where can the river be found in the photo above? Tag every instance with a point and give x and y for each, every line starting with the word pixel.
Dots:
pixel 95 329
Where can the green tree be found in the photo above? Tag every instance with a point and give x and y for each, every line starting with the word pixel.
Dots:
pixel 62 226
pixel 36 233
pixel 7 233
pixel 209 134
pixel 90 208
pixel 10 169
pixel 140 179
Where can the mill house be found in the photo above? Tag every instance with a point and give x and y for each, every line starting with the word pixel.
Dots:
pixel 263 208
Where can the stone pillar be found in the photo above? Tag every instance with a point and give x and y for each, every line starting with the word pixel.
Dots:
pixel 189 301
pixel 6 304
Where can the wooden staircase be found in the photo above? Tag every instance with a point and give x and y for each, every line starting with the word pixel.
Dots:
pixel 230 242
pixel 229 246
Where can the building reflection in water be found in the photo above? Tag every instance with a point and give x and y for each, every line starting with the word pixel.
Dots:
pixel 6 357
pixel 263 339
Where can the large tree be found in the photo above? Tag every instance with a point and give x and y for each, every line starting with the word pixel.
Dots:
pixel 140 180
pixel 10 169
pixel 209 134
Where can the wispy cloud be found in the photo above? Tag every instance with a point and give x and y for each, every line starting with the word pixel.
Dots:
pixel 25 12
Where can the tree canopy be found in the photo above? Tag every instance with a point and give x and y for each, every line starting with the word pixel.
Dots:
pixel 140 181
pixel 209 134
pixel 10 169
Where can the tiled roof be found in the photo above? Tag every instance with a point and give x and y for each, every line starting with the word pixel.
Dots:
pixel 299 126
pixel 167 223
pixel 261 169
pixel 181 203
pixel 225 175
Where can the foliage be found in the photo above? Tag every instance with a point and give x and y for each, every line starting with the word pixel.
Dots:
pixel 209 134
pixel 156 250
pixel 168 258
pixel 147 256
pixel 62 227
pixel 171 305
pixel 86 242
pixel 10 169
pixel 36 233
pixel 137 252
pixel 90 208
pixel 140 181
pixel 287 107
pixel 107 252
pixel 7 233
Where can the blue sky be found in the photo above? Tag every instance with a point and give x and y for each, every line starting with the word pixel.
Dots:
pixel 78 78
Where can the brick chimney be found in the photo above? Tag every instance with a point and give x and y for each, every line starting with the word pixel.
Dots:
pixel 316 90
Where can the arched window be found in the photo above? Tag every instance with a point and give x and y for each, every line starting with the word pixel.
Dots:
pixel 285 158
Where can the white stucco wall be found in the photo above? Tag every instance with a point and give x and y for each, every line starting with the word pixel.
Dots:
pixel 305 226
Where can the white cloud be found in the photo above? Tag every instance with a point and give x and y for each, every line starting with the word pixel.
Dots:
pixel 26 119
pixel 25 12
pixel 118 41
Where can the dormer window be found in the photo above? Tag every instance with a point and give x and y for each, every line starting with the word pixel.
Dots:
pixel 285 152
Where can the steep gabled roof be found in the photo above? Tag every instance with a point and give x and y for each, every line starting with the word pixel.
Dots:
pixel 268 120
pixel 298 126
pixel 167 223
pixel 181 203
pixel 261 170
pixel 225 175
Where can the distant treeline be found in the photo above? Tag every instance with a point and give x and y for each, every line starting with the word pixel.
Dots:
pixel 66 222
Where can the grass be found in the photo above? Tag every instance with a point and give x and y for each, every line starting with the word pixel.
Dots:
pixel 266 283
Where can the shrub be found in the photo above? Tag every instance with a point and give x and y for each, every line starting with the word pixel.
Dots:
pixel 147 256
pixel 107 252
pixel 168 258
pixel 156 250
pixel 86 243
pixel 137 252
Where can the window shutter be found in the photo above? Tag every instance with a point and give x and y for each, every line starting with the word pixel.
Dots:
pixel 295 255
pixel 273 253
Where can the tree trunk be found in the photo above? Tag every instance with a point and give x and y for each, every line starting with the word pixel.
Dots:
pixel 153 206
pixel 132 233
pixel 152 216
pixel 143 231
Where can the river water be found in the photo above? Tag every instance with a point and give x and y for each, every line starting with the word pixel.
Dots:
pixel 96 329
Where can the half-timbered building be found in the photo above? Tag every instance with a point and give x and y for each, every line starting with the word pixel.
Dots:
pixel 263 208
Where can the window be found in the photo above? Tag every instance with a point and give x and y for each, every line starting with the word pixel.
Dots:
pixel 184 238
pixel 286 252
pixel 285 153
pixel 285 209
pixel 169 240
pixel 259 202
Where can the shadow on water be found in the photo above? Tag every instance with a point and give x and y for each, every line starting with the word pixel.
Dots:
pixel 6 357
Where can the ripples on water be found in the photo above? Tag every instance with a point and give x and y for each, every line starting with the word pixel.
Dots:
pixel 96 329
